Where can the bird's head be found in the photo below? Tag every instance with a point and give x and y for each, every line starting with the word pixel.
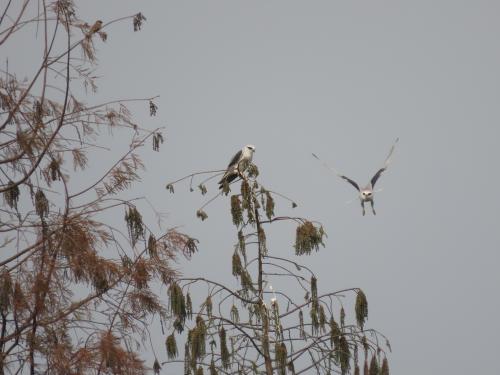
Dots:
pixel 250 148
pixel 366 194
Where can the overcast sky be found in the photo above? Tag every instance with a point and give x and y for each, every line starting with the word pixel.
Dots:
pixel 342 79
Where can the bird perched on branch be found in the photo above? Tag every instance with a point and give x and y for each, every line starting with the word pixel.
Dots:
pixel 240 161
pixel 96 27
pixel 366 193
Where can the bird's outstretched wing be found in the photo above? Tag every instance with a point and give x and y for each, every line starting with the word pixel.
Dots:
pixel 352 182
pixel 376 176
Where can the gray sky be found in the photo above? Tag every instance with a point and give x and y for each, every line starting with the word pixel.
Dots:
pixel 342 79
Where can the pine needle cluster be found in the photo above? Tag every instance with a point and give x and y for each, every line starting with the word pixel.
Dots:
pixel 361 308
pixel 308 238
pixel 177 302
pixel 11 195
pixel 134 224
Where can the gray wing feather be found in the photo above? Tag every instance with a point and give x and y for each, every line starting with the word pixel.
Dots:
pixel 388 158
pixel 377 175
pixel 230 175
pixel 352 182
pixel 236 158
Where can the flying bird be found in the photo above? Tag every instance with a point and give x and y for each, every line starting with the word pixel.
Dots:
pixel 237 165
pixel 365 194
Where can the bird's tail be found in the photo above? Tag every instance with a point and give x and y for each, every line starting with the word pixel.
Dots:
pixel 223 179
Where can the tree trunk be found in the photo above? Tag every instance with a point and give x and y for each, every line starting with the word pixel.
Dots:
pixel 263 308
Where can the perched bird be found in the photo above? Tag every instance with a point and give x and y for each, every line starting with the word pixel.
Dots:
pixel 95 28
pixel 366 193
pixel 237 165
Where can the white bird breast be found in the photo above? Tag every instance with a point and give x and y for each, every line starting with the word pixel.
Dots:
pixel 247 154
pixel 366 195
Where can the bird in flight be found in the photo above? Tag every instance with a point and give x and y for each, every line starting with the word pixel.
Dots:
pixel 240 161
pixel 366 193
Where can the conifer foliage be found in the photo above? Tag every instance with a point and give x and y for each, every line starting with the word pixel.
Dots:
pixel 251 327
pixel 78 260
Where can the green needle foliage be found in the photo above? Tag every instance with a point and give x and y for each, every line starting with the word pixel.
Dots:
pixel 11 195
pixel 224 352
pixel 253 328
pixel 269 205
pixel 235 314
pixel 236 210
pixel 237 266
pixel 189 306
pixel 171 346
pixel 384 370
pixel 308 238
pixel 374 369
pixel 134 224
pixel 177 302
pixel 41 204
pixel 361 308
pixel 281 357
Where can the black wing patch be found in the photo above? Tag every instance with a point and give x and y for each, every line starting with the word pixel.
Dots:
pixel 376 176
pixel 353 183
pixel 227 178
pixel 235 159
